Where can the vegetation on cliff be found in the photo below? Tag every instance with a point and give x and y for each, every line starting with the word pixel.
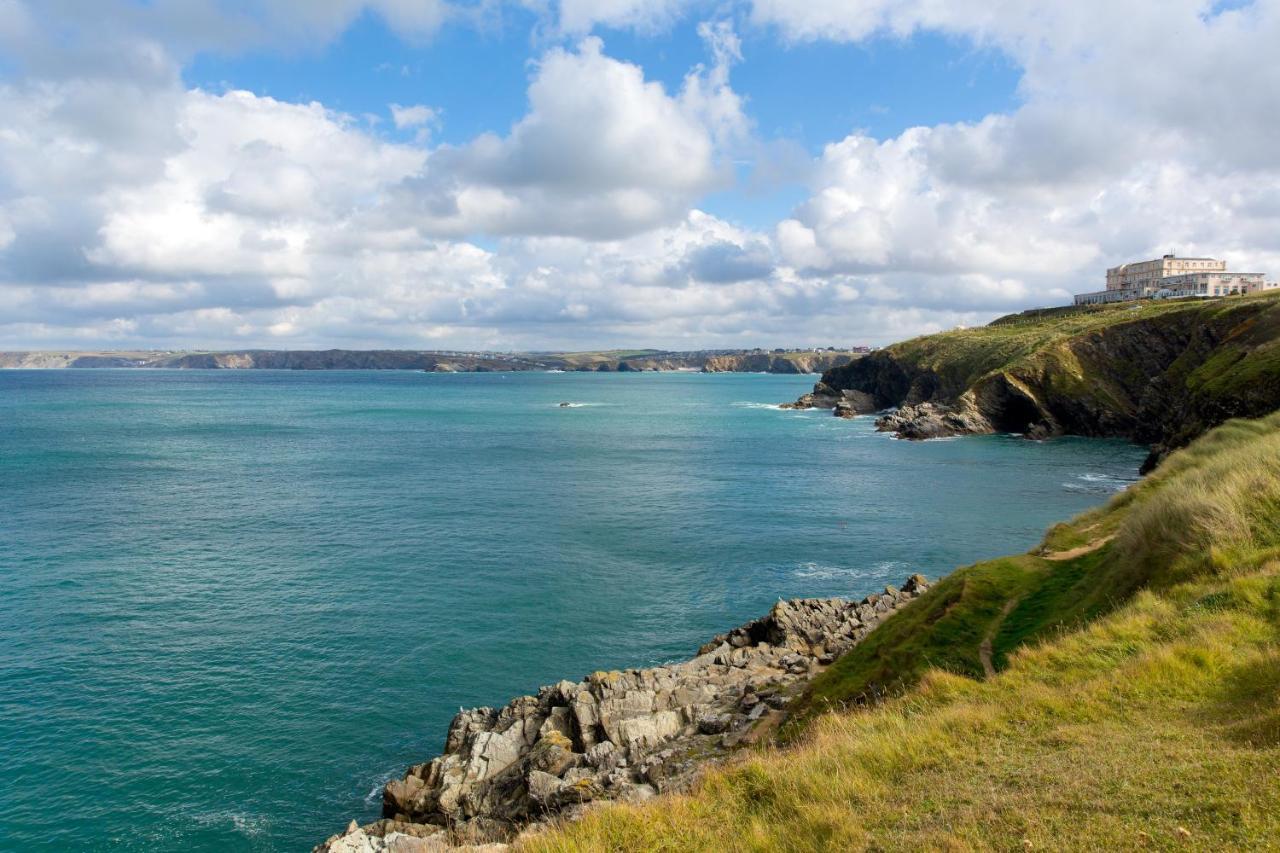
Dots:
pixel 1118 687
pixel 1159 372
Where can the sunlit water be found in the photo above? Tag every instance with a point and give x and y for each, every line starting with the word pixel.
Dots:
pixel 232 604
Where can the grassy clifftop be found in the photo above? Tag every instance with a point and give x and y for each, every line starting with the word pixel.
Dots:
pixel 1117 688
pixel 1156 372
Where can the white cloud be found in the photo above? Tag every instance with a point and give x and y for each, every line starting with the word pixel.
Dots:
pixel 582 16
pixel 602 153
pixel 413 116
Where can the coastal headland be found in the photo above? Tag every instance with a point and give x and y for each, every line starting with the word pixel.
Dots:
pixel 1157 373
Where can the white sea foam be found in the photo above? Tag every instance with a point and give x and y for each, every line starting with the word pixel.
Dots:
pixel 249 825
pixel 747 404
pixel 577 405
pixel 1099 483
pixel 375 793
pixel 821 571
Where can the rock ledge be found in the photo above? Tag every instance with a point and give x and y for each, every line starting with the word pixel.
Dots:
pixel 621 735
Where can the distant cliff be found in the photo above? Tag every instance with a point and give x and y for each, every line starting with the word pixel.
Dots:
pixel 710 361
pixel 735 362
pixel 1160 373
pixel 334 359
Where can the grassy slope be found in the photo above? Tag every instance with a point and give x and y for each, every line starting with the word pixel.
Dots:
pixel 966 355
pixel 1137 703
pixel 1036 340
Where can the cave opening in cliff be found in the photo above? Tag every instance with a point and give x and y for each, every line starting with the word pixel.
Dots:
pixel 1017 414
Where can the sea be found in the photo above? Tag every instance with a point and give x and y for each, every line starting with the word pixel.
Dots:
pixel 233 604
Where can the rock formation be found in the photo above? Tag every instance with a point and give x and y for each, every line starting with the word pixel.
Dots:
pixel 845 403
pixel 622 735
pixel 931 420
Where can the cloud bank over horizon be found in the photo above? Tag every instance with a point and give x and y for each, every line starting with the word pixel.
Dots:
pixel 139 210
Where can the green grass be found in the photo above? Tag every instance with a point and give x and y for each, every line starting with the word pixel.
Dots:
pixel 943 631
pixel 1137 703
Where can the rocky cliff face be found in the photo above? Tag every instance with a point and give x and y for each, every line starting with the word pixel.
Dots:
pixel 626 735
pixel 744 362
pixel 1161 379
pixel 770 363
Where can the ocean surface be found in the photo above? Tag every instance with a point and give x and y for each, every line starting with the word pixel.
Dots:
pixel 233 604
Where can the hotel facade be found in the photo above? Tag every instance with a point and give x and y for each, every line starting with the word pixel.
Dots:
pixel 1171 277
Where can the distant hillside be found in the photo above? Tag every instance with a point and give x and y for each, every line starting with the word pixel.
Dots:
pixel 1156 372
pixel 710 361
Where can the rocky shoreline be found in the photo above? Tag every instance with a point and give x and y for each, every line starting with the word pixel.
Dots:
pixel 912 421
pixel 622 735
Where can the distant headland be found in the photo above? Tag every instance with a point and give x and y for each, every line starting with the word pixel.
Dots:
pixel 811 360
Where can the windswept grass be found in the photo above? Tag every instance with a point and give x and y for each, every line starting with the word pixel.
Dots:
pixel 1137 706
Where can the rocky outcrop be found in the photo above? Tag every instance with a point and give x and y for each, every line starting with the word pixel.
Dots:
pixel 1160 375
pixel 846 403
pixel 929 420
pixel 621 735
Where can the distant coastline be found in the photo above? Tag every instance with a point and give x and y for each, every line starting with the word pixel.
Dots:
pixel 445 361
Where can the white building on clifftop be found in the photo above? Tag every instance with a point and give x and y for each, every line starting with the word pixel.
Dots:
pixel 1171 277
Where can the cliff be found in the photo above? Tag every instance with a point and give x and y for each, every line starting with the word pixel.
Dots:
pixel 1159 373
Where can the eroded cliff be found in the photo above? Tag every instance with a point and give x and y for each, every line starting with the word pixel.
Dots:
pixel 1156 373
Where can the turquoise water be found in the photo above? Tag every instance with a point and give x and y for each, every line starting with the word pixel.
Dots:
pixel 232 604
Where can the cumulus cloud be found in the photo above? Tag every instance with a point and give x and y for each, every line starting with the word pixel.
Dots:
pixel 602 153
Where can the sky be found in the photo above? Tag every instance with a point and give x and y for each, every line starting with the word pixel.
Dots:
pixel 583 174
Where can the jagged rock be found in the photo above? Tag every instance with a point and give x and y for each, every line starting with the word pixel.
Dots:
pixel 933 420
pixel 823 396
pixel 714 724
pixel 777 701
pixel 614 735
pixel 543 786
pixel 553 753
pixel 848 403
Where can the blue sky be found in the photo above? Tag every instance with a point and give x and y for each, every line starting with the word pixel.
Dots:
pixel 808 93
pixel 613 173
